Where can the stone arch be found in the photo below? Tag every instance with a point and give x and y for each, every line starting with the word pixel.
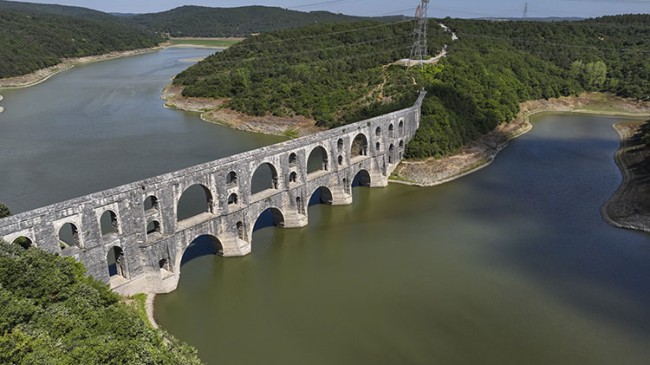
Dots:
pixel 391 154
pixel 293 159
pixel 271 216
pixel 391 130
pixel 231 179
pixel 359 146
pixel 241 230
pixel 202 245
pixel 377 146
pixel 339 145
pixel 378 132
pixel 401 143
pixel 233 199
pixel 165 265
pixel 318 160
pixel 322 195
pixel 400 127
pixel 300 205
pixel 24 242
pixel 151 202
pixel 293 177
pixel 116 262
pixel 362 178
pixel 153 227
pixel 69 236
pixel 195 200
pixel 264 178
pixel 108 223
pixel 346 185
pixel 340 160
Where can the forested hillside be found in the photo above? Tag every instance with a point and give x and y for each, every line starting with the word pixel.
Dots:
pixel 35 36
pixel 341 74
pixel 52 313
pixel 30 41
pixel 198 21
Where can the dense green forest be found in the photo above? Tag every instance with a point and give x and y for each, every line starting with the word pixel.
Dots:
pixel 197 21
pixel 31 41
pixel 340 74
pixel 52 313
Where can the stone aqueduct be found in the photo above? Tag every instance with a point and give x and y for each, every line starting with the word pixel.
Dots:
pixel 147 241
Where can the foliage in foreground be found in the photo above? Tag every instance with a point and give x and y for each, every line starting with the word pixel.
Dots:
pixel 52 313
pixel 341 74
pixel 4 211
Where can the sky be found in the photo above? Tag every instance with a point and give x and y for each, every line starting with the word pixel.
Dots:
pixel 437 8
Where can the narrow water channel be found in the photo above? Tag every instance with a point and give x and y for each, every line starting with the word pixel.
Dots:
pixel 510 265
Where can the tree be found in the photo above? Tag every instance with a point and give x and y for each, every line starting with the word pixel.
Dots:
pixel 4 211
pixel 595 74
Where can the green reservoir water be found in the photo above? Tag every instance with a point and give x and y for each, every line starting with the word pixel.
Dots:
pixel 510 265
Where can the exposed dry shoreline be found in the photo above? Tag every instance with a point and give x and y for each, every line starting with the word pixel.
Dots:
pixel 482 152
pixel 41 75
pixel 629 207
pixel 212 111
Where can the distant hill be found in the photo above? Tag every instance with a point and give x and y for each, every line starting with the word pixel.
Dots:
pixel 197 21
pixel 51 9
pixel 337 74
pixel 33 36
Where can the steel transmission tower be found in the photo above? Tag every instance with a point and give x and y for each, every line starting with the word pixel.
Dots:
pixel 420 49
pixel 526 11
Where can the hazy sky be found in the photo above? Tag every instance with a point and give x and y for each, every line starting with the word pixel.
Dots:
pixel 438 8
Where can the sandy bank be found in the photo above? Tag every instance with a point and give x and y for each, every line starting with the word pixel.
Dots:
pixel 41 75
pixel 148 306
pixel 213 111
pixel 629 207
pixel 482 152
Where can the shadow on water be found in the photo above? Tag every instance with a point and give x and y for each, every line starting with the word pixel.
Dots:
pixel 567 247
pixel 201 246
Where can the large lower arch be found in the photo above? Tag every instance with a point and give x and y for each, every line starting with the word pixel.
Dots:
pixel 362 178
pixel 322 195
pixel 264 178
pixel 202 245
pixel 270 217
pixel 195 200
pixel 24 242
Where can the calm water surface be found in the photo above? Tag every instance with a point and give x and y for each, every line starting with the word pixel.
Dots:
pixel 510 265
pixel 102 125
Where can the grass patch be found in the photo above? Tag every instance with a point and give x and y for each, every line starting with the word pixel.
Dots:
pixel 139 302
pixel 206 42
pixel 291 133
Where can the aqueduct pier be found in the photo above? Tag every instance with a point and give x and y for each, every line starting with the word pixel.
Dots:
pixel 133 237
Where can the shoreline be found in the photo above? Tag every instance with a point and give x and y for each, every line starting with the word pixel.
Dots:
pixel 42 75
pixel 149 309
pixel 212 111
pixel 482 152
pixel 629 206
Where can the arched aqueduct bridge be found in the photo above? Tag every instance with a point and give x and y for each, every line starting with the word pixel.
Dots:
pixel 140 228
